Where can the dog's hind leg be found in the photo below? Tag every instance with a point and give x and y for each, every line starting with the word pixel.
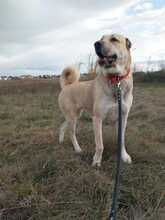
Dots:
pixel 62 131
pixel 72 130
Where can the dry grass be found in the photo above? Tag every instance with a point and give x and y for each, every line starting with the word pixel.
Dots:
pixel 152 77
pixel 40 179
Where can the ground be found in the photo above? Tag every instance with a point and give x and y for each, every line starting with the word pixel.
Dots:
pixel 41 179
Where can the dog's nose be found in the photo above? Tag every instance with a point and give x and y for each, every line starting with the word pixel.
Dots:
pixel 113 57
pixel 98 47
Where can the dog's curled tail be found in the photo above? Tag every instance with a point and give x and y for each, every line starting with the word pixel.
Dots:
pixel 69 75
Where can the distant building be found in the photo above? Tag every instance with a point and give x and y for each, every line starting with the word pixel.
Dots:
pixel 149 66
pixel 3 77
pixel 26 76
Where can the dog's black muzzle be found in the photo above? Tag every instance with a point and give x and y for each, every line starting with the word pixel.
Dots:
pixel 98 49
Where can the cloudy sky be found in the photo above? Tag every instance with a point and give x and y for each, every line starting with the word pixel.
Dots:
pixel 43 36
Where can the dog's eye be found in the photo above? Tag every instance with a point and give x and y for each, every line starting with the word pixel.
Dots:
pixel 113 39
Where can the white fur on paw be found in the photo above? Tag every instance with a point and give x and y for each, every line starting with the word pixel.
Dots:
pixel 78 150
pixel 61 139
pixel 126 158
pixel 96 164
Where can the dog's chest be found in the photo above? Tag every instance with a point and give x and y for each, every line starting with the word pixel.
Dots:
pixel 109 101
pixel 106 104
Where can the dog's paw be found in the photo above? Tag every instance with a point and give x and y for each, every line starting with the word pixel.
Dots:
pixel 126 158
pixel 61 138
pixel 96 163
pixel 78 150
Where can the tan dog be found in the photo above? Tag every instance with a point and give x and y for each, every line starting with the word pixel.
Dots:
pixel 98 96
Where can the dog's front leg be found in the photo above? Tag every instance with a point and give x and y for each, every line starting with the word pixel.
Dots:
pixel 97 125
pixel 124 155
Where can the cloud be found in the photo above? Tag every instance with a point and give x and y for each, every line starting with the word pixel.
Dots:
pixel 143 7
pixel 39 35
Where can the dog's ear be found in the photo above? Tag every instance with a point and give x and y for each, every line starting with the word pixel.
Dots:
pixel 128 43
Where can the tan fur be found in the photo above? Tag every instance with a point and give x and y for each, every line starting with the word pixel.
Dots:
pixel 96 97
pixel 69 75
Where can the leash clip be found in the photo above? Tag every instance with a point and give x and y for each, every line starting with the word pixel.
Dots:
pixel 118 90
pixel 118 84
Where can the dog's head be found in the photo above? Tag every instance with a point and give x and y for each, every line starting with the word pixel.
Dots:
pixel 114 54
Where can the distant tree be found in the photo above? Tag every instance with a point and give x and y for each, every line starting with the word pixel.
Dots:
pixel 134 68
pixel 91 66
pixel 79 65
pixel 148 65
pixel 162 64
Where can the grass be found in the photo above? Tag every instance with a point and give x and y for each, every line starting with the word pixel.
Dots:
pixel 150 77
pixel 43 180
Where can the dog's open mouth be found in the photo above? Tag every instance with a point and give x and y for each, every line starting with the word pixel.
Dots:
pixel 108 61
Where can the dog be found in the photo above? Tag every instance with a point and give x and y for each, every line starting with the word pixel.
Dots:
pixel 98 96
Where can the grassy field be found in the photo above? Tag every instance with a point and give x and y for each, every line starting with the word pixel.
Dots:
pixel 43 180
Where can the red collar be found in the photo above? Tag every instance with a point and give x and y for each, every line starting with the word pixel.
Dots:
pixel 113 79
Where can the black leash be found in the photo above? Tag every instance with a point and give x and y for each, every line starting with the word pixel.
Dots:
pixel 114 207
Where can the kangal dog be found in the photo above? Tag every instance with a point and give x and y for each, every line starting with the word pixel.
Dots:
pixel 98 96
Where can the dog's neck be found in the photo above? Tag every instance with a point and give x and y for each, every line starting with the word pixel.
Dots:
pixel 113 79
